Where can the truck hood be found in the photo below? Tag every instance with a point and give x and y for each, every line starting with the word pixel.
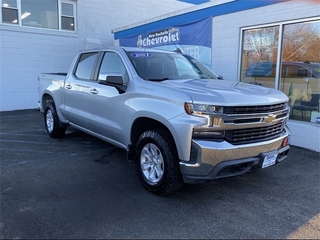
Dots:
pixel 227 93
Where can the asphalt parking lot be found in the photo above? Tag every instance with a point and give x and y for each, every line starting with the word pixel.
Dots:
pixel 82 187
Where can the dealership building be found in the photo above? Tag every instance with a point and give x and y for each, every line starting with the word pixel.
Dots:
pixel 273 43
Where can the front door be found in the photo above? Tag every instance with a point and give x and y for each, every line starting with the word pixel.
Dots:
pixel 106 104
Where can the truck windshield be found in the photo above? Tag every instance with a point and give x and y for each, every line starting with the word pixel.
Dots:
pixel 160 66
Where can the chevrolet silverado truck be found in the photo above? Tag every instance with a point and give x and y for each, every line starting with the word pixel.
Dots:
pixel 175 118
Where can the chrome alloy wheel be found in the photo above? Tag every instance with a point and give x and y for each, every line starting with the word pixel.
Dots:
pixel 49 120
pixel 152 164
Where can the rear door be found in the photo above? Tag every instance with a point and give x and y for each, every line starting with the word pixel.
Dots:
pixel 77 90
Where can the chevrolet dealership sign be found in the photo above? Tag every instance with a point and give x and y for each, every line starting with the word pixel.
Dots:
pixel 193 38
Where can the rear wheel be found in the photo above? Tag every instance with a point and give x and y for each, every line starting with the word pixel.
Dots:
pixel 157 163
pixel 51 121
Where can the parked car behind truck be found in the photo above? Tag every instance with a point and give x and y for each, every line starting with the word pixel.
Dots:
pixel 304 76
pixel 179 123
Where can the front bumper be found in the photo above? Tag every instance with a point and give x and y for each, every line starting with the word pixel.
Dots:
pixel 215 160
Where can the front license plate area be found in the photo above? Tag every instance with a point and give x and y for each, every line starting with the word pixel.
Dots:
pixel 269 159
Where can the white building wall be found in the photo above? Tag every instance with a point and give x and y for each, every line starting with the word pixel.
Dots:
pixel 98 17
pixel 226 31
pixel 25 52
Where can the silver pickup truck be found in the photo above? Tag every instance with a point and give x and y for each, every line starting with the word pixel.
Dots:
pixel 173 116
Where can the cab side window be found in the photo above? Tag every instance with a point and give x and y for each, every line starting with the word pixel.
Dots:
pixel 112 64
pixel 85 65
pixel 294 71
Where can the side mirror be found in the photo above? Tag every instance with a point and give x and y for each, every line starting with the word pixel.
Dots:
pixel 110 78
pixel 113 79
pixel 220 77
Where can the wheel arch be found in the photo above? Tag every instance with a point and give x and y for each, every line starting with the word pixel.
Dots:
pixel 143 124
pixel 46 97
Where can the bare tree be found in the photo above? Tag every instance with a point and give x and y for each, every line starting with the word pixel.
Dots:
pixel 261 43
pixel 301 42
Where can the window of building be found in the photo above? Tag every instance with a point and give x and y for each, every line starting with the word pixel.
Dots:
pixel 67 16
pixel 40 14
pixel 259 56
pixel 9 11
pixel 289 62
pixel 301 64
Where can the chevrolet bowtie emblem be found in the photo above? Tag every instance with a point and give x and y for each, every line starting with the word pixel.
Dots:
pixel 270 118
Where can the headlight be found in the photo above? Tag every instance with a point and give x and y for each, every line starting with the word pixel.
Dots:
pixel 199 109
pixel 209 130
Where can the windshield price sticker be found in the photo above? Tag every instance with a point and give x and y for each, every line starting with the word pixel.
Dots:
pixel 141 55
pixel 269 160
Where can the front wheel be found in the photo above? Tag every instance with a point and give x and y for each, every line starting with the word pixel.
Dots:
pixel 51 121
pixel 157 163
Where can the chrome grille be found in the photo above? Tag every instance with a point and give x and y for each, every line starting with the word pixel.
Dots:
pixel 252 135
pixel 254 109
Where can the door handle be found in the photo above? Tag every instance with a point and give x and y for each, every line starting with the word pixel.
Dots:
pixel 94 91
pixel 68 86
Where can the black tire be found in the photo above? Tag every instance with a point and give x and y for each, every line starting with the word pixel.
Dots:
pixel 157 163
pixel 51 121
